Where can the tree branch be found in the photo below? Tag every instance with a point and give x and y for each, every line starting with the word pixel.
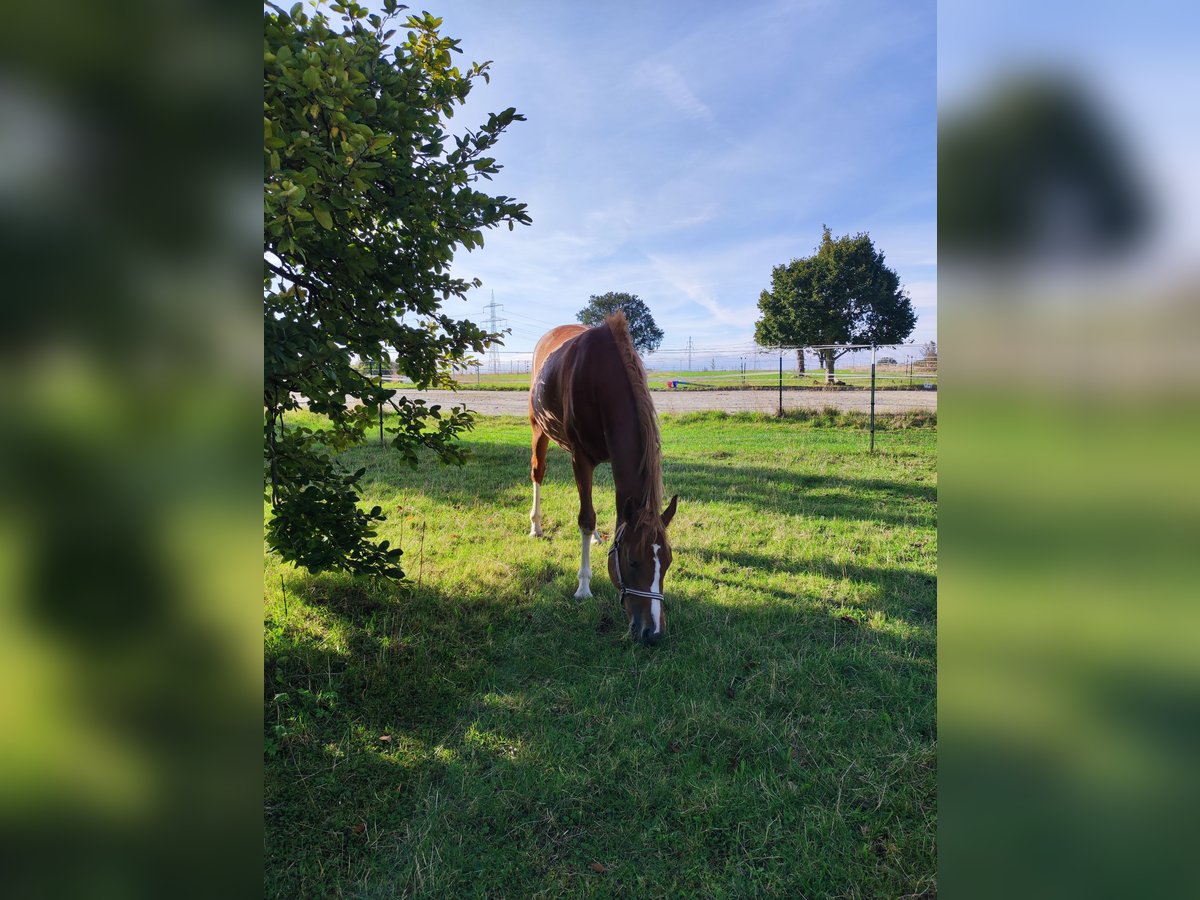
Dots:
pixel 295 279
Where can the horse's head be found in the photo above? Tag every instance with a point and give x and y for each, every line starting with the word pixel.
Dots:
pixel 637 564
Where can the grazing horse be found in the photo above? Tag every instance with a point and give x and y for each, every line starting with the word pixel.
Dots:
pixel 588 392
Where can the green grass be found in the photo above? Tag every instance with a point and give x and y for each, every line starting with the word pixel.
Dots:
pixel 887 379
pixel 479 732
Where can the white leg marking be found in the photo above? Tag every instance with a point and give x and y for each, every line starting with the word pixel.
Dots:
pixel 585 566
pixel 656 604
pixel 535 514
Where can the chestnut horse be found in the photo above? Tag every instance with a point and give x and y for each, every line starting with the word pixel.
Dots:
pixel 588 392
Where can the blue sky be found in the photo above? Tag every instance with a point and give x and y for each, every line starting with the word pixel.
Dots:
pixel 679 150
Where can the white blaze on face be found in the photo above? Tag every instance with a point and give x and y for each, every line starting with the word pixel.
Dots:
pixel 655 588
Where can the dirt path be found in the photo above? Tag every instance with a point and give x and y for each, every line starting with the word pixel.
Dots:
pixel 516 403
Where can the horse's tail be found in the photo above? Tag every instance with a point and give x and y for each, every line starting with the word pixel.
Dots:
pixel 651 462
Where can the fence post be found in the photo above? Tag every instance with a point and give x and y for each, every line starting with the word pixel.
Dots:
pixel 781 385
pixel 872 398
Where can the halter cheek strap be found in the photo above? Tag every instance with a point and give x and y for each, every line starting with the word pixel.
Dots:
pixel 621 589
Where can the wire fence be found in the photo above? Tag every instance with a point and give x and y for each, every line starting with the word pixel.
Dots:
pixel 901 383
pixel 729 363
pixel 906 362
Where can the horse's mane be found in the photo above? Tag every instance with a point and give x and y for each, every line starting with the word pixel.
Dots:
pixel 650 465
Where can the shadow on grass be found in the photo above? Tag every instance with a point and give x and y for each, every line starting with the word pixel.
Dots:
pixel 824 496
pixel 499 472
pixel 494 472
pixel 908 595
pixel 361 680
pixel 419 743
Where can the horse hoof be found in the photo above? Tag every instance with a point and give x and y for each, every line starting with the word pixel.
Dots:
pixel 596 539
pixel 535 532
pixel 583 594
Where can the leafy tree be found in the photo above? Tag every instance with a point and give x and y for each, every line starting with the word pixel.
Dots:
pixel 1032 171
pixel 646 335
pixel 365 199
pixel 842 294
pixel 929 349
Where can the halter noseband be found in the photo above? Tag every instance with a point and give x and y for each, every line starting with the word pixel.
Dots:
pixel 621 589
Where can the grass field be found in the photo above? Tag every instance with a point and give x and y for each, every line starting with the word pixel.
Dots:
pixel 892 378
pixel 479 732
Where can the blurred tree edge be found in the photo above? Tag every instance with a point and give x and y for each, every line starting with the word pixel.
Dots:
pixel 1032 172
pixel 842 294
pixel 644 331
pixel 365 200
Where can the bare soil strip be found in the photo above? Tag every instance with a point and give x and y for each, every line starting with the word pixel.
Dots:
pixel 516 403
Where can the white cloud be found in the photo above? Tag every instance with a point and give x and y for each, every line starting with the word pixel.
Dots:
pixel 690 278
pixel 669 82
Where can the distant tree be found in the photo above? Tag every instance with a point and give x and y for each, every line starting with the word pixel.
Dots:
pixel 365 199
pixel 1032 171
pixel 887 361
pixel 647 336
pixel 842 294
pixel 929 349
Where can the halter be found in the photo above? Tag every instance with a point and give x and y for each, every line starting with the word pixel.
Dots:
pixel 621 589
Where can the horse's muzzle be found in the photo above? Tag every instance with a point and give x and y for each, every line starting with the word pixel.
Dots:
pixel 645 634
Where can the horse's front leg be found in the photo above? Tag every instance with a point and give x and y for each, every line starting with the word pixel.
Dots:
pixel 587 525
pixel 537 473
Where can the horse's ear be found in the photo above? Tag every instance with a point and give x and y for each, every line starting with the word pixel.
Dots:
pixel 628 510
pixel 669 512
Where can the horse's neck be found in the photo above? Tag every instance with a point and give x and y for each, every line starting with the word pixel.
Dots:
pixel 625 452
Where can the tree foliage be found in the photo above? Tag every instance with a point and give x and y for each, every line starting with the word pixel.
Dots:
pixel 366 197
pixel 646 335
pixel 842 294
pixel 1032 171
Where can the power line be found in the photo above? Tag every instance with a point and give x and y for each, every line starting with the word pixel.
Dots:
pixel 534 321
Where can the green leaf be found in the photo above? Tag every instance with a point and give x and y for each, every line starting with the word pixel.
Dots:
pixel 322 215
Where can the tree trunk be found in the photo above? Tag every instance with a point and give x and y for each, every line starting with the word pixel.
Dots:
pixel 800 362
pixel 829 357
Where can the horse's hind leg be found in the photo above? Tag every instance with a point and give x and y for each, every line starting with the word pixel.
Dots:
pixel 587 525
pixel 538 471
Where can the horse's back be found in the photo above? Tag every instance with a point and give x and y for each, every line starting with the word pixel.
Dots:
pixel 551 341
